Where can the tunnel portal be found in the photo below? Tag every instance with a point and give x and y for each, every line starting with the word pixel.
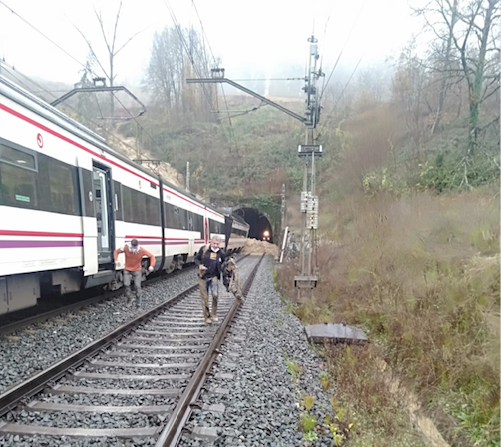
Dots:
pixel 260 226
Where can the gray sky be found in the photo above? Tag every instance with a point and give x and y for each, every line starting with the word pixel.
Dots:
pixel 249 36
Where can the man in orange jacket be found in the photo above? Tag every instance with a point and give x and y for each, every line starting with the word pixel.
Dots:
pixel 133 269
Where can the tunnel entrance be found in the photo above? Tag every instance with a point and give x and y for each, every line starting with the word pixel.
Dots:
pixel 260 226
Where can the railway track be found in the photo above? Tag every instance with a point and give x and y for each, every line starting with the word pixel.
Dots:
pixel 10 323
pixel 161 357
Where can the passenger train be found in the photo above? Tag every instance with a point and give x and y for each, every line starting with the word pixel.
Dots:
pixel 67 201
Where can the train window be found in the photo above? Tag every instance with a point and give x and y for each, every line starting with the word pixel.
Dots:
pixel 87 193
pixel 62 187
pixel 41 182
pixel 127 201
pixel 175 217
pixel 139 207
pixel 239 232
pixel 214 227
pixel 117 202
pixel 152 215
pixel 190 220
pixel 183 219
pixel 21 159
pixel 198 223
pixel 176 220
pixel 18 187
pixel 169 216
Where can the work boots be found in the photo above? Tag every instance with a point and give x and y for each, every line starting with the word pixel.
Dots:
pixel 214 309
pixel 128 296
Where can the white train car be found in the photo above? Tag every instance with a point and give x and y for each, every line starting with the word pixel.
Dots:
pixel 239 233
pixel 67 201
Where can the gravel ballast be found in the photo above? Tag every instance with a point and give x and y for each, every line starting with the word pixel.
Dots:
pixel 262 404
pixel 113 420
pixel 38 346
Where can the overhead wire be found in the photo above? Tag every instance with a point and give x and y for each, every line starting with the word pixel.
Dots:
pixel 66 105
pixel 342 92
pixel 14 73
pixel 86 67
pixel 342 49
pixel 42 34
pixel 203 31
pixel 185 46
pixel 204 36
pixel 135 119
pixel 190 56
pixel 324 46
pixel 98 105
pixel 27 78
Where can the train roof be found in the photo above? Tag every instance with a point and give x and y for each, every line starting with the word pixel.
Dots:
pixel 239 219
pixel 45 110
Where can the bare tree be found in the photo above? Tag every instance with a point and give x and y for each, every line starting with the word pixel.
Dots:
pixel 111 46
pixel 472 29
pixel 176 55
pixel 410 93
pixel 165 70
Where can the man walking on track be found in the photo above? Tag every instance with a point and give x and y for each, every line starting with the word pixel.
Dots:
pixel 133 257
pixel 209 259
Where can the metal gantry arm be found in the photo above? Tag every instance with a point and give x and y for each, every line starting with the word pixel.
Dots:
pixel 249 92
pixel 99 89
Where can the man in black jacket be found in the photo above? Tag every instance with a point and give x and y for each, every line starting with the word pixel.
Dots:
pixel 209 259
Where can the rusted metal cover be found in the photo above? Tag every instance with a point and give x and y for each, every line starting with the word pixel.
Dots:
pixel 335 333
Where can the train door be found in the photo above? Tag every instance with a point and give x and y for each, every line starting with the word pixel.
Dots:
pixel 103 207
pixel 228 223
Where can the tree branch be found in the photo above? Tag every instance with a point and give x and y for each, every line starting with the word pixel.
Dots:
pixel 101 24
pixel 125 44
pixel 91 50
pixel 490 94
pixel 115 30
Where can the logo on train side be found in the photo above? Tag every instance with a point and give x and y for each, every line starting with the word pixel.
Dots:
pixel 40 141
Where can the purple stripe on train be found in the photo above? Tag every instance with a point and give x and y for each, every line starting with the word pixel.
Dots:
pixel 160 242
pixel 40 244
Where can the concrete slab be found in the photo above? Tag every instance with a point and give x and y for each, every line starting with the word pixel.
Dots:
pixel 335 333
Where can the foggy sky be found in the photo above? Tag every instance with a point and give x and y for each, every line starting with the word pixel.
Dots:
pixel 250 37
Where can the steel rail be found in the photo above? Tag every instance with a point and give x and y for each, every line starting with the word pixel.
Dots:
pixel 34 384
pixel 37 318
pixel 172 432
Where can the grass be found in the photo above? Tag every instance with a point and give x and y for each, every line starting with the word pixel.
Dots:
pixel 420 274
pixel 295 369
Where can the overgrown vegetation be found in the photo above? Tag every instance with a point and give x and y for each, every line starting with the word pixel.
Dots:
pixel 421 275
pixel 409 251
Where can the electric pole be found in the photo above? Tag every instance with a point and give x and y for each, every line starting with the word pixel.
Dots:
pixel 309 200
pixel 309 151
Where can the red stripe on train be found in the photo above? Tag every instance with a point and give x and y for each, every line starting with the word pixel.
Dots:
pixel 74 143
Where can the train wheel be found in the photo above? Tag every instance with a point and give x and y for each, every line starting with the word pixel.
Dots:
pixel 118 281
